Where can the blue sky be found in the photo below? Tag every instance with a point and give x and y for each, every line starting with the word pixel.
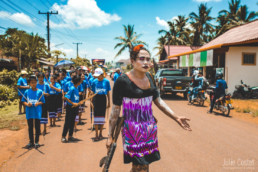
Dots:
pixel 96 23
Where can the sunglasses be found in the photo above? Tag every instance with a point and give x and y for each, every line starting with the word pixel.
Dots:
pixel 148 59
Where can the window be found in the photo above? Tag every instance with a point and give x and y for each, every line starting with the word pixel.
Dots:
pixel 249 59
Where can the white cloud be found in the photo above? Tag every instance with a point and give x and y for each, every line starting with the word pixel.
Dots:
pixel 207 0
pixel 20 18
pixel 83 14
pixel 162 22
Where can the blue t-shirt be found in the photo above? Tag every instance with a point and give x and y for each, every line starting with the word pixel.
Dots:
pixel 90 76
pixel 22 82
pixel 73 95
pixel 116 75
pixel 91 81
pixel 85 84
pixel 58 86
pixel 221 86
pixel 67 86
pixel 102 87
pixel 45 87
pixel 53 91
pixel 47 80
pixel 63 82
pixel 33 97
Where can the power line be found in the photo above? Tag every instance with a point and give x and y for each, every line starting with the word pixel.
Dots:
pixel 44 4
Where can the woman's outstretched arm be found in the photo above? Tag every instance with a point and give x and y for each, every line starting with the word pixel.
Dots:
pixel 182 121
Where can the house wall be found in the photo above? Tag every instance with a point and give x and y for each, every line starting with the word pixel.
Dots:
pixel 235 71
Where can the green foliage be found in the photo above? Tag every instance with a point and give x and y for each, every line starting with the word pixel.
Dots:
pixel 7 94
pixel 19 43
pixel 81 62
pixel 9 78
pixel 129 40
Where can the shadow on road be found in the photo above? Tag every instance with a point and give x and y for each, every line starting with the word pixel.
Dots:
pixel 173 97
pixel 221 114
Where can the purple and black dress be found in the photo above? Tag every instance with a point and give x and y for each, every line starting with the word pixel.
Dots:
pixel 139 133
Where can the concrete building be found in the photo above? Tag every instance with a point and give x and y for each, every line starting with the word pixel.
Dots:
pixel 234 53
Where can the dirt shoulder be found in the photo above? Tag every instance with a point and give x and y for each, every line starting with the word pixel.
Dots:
pixel 12 132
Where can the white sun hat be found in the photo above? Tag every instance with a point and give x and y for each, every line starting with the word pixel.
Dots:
pixel 98 72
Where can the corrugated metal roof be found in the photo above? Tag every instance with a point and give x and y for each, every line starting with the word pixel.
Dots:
pixel 176 49
pixel 237 34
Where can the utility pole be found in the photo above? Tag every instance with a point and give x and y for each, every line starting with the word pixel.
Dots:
pixel 48 30
pixel 77 44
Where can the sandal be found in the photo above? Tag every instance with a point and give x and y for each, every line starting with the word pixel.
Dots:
pixel 96 139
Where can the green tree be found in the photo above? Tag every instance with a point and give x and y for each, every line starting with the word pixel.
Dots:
pixel 129 40
pixel 28 47
pixel 202 28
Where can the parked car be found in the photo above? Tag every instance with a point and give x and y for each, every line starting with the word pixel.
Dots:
pixel 172 81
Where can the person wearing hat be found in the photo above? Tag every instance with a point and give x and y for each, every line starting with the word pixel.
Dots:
pixel 117 74
pixel 22 87
pixel 101 101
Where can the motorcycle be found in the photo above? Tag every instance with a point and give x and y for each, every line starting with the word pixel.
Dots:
pixel 223 104
pixel 200 98
pixel 245 91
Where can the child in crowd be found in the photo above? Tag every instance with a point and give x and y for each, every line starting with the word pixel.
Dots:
pixel 43 86
pixel 22 87
pixel 72 107
pixel 52 100
pixel 33 99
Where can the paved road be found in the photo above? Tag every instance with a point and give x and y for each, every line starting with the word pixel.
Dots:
pixel 217 143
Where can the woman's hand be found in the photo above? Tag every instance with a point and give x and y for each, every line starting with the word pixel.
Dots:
pixel 182 121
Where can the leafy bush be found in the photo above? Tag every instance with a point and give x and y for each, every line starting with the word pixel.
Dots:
pixel 9 78
pixel 7 93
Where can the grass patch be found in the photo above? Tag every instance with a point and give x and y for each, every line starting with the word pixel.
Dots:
pixel 246 106
pixel 9 117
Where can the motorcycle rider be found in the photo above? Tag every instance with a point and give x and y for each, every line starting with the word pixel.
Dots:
pixel 220 90
pixel 199 83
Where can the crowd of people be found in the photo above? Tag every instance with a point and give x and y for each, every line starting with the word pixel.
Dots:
pixel 46 94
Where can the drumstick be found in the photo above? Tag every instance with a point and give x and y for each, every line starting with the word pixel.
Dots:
pixel 39 98
pixel 23 95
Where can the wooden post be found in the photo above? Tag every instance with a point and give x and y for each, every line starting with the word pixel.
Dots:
pixel 204 71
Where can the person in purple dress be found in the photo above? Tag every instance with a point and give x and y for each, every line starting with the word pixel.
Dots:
pixel 136 91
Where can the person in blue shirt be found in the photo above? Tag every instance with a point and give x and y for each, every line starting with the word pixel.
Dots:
pixel 52 100
pixel 117 74
pixel 43 86
pixel 33 99
pixel 22 87
pixel 59 96
pixel 47 76
pixel 199 80
pixel 101 101
pixel 220 90
pixel 72 108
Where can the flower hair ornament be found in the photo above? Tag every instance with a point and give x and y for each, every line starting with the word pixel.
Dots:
pixel 137 48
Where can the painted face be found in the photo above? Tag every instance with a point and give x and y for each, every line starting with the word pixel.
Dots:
pixel 142 62
pixel 33 84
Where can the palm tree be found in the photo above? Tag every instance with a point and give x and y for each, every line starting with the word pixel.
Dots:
pixel 129 40
pixel 183 29
pixel 233 8
pixel 244 15
pixel 172 35
pixel 235 16
pixel 201 24
pixel 161 42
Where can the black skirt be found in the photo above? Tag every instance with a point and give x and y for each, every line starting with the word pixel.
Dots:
pixel 59 103
pixel 100 104
pixel 52 103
